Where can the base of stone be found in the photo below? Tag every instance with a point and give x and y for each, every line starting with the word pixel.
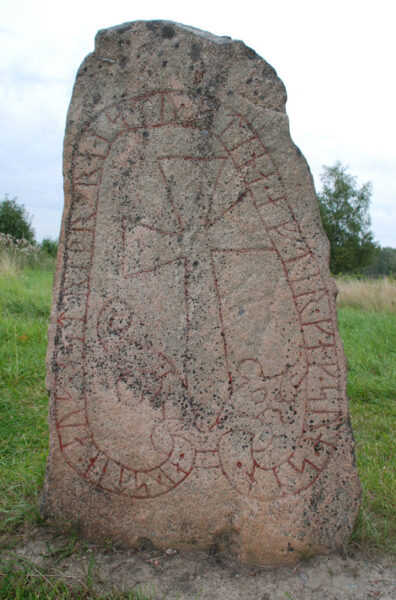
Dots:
pixel 216 519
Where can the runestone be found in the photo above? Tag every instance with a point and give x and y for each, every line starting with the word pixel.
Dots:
pixel 197 378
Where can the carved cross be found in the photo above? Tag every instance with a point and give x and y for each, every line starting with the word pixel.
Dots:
pixel 194 237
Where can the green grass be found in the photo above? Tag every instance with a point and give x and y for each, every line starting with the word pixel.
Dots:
pixel 369 339
pixel 23 580
pixel 25 298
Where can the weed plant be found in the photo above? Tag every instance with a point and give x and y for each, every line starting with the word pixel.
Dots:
pixel 17 254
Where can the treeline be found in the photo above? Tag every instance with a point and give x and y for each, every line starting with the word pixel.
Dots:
pixel 344 209
pixel 384 264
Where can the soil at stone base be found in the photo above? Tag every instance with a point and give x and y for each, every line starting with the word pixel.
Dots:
pixel 170 575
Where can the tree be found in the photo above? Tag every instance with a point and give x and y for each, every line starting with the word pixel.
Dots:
pixel 384 264
pixel 15 220
pixel 344 211
pixel 49 246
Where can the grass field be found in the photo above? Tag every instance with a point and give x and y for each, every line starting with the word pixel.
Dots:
pixel 369 338
pixel 25 298
pixel 377 295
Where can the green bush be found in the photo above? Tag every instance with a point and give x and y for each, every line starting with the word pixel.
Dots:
pixel 49 246
pixel 15 220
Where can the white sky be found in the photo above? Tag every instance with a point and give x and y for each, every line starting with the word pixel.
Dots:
pixel 337 60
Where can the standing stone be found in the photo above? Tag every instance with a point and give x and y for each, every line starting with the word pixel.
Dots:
pixel 196 373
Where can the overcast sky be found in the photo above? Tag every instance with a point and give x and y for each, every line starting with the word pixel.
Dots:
pixel 337 60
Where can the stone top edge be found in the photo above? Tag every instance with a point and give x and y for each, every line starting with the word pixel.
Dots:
pixel 167 30
pixel 132 45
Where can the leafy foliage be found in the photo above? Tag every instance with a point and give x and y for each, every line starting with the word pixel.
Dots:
pixel 15 220
pixel 49 246
pixel 384 264
pixel 346 221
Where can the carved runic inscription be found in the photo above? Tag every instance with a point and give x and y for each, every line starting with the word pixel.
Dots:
pixel 169 260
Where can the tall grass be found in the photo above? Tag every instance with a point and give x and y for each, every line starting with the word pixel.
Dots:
pixel 367 294
pixel 18 254
pixel 369 341
pixel 25 297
